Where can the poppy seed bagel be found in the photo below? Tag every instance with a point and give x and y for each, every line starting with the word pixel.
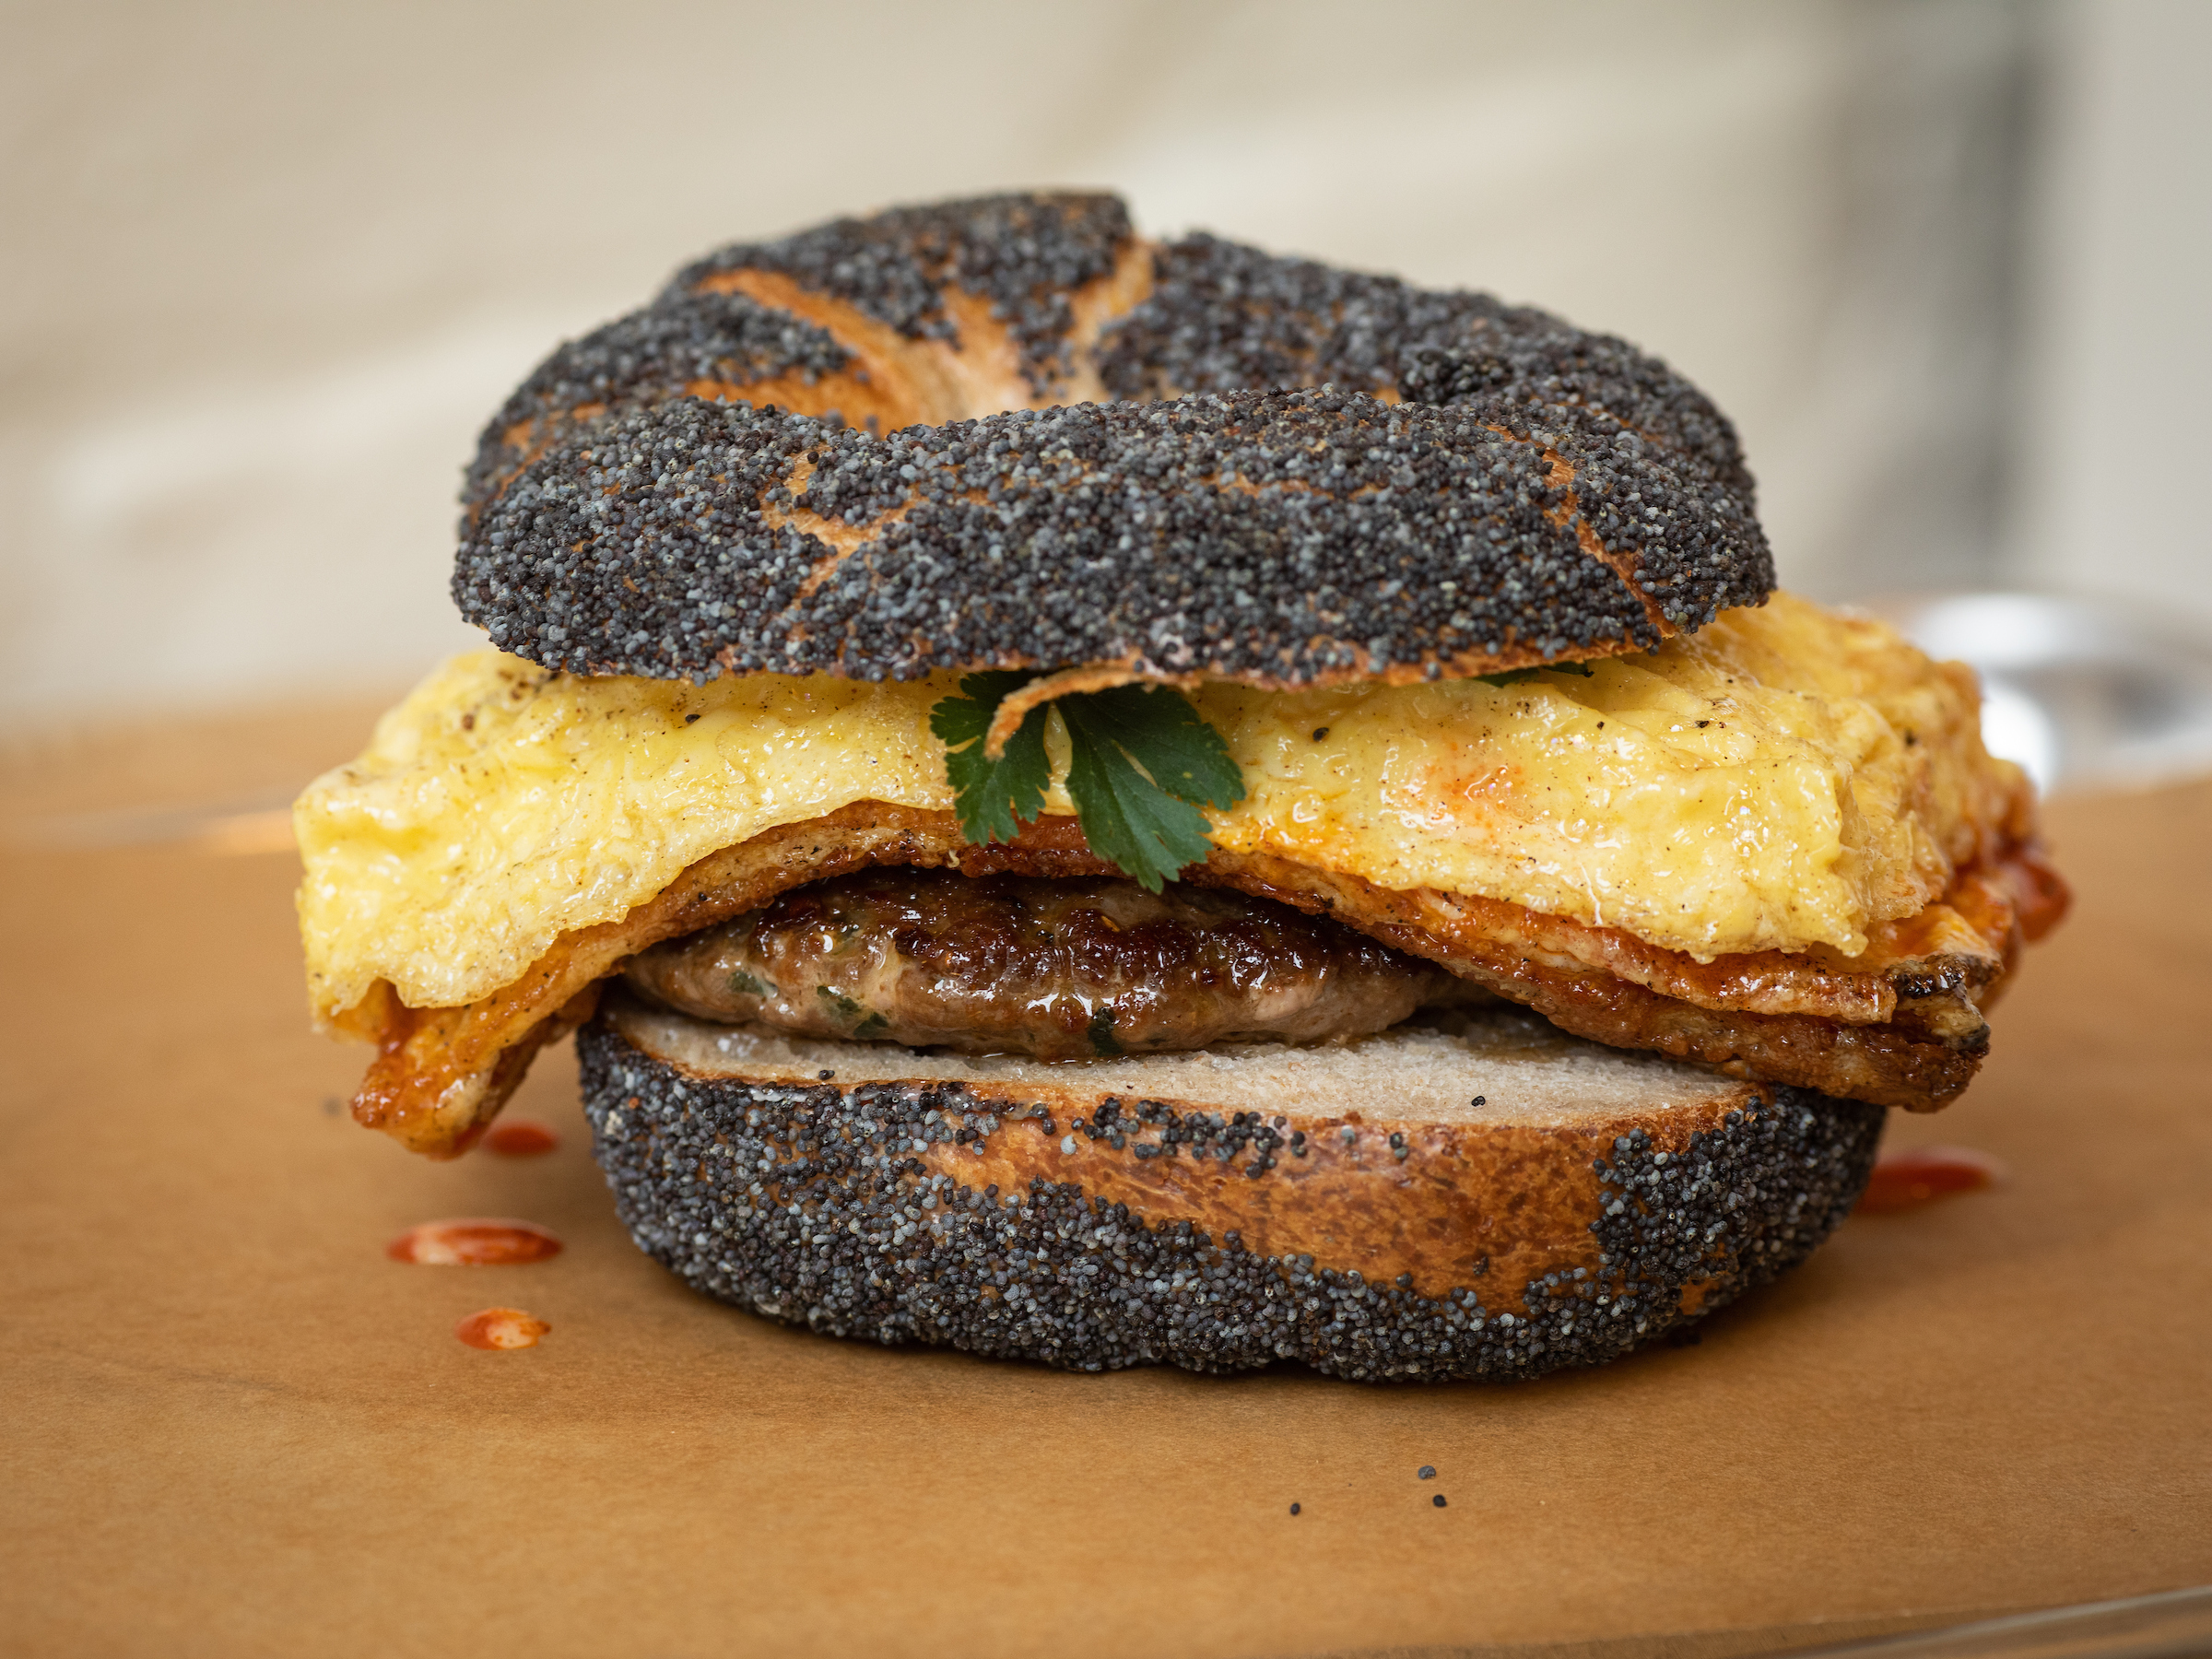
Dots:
pixel 1503 1201
pixel 1009 433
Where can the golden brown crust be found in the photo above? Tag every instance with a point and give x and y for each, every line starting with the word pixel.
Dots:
pixel 1520 1199
pixel 928 382
pixel 1889 1064
pixel 419 1086
pixel 442 1074
pixel 889 380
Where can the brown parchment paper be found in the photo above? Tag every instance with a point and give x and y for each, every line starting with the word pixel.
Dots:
pixel 231 1425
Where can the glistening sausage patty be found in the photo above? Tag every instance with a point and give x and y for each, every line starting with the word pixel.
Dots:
pixel 1060 970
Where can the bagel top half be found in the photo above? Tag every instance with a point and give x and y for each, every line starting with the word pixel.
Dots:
pixel 1010 434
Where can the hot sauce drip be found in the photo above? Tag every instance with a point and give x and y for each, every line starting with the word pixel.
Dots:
pixel 521 1137
pixel 501 1328
pixel 1903 1181
pixel 2040 894
pixel 472 1243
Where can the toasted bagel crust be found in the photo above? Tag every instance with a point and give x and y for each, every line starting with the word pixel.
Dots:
pixel 1325 476
pixel 1590 1202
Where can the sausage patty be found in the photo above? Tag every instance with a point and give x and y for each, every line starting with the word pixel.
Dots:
pixel 1055 968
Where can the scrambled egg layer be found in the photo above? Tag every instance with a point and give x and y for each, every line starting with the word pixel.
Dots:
pixel 1784 778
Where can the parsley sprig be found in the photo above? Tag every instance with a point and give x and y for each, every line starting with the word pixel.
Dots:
pixel 1141 763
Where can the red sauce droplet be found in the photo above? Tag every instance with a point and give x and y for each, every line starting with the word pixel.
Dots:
pixel 521 1137
pixel 469 1242
pixel 1903 1181
pixel 501 1328
pixel 2040 893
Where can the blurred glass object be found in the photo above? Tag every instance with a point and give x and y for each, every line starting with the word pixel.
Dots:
pixel 2084 693
pixel 2174 1624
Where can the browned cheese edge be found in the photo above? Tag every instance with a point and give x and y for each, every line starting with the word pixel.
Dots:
pixel 442 1074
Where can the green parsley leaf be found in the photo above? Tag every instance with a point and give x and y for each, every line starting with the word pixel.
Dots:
pixel 1141 764
pixel 1159 730
pixel 1148 822
pixel 993 798
pixel 864 1020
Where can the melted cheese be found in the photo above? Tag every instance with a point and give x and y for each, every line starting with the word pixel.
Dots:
pixel 1784 778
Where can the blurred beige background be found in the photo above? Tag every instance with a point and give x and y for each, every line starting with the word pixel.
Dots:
pixel 266 267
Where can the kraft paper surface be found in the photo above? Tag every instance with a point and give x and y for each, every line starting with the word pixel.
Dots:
pixel 233 1426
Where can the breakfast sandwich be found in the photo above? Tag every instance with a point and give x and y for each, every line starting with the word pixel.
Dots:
pixel 1108 801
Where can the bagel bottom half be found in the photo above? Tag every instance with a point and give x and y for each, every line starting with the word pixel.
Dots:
pixel 1479 1198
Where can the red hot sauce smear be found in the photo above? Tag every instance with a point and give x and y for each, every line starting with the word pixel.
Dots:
pixel 501 1328
pixel 1904 1180
pixel 521 1137
pixel 470 1241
